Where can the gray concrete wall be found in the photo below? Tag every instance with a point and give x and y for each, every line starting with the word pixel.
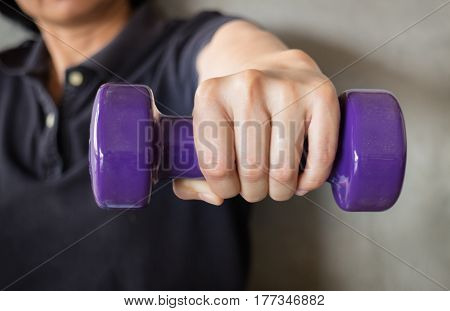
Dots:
pixel 299 245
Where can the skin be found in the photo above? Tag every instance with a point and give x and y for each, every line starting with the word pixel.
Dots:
pixel 247 76
pixel 74 30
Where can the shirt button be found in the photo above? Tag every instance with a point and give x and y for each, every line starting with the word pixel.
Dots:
pixel 50 120
pixel 75 78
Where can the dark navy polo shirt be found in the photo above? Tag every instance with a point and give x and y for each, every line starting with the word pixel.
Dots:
pixel 52 235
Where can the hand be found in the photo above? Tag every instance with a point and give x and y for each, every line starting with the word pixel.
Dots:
pixel 249 130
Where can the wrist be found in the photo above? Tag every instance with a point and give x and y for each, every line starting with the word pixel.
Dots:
pixel 283 60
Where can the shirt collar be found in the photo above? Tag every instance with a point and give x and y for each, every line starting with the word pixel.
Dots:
pixel 123 54
pixel 31 57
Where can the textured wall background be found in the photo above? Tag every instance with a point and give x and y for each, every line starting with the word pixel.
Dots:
pixel 298 245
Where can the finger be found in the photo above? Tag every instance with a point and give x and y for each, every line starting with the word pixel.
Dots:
pixel 286 145
pixel 213 135
pixel 195 189
pixel 252 135
pixel 322 140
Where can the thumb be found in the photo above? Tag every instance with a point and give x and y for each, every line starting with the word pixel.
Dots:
pixel 195 189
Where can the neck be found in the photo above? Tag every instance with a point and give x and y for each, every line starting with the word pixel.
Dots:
pixel 70 45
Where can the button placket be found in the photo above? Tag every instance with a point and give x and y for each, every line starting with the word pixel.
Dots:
pixel 49 145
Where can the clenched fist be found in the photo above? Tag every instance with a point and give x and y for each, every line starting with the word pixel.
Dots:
pixel 252 115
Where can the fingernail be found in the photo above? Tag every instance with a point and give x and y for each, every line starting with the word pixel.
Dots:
pixel 301 192
pixel 207 197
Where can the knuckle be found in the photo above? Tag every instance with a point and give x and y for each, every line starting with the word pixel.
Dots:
pixel 324 95
pixel 250 162
pixel 299 55
pixel 250 83
pixel 251 174
pixel 197 113
pixel 326 91
pixel 207 92
pixel 251 75
pixel 217 172
pixel 283 175
pixel 311 184
pixel 207 88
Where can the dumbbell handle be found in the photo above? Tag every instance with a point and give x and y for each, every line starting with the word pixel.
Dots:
pixel 178 155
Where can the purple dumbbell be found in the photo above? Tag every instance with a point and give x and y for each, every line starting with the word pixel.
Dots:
pixel 131 147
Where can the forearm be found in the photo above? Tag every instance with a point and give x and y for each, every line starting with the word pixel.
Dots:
pixel 240 45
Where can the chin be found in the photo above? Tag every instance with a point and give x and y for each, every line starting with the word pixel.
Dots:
pixel 66 11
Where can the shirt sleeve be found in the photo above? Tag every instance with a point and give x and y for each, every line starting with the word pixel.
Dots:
pixel 200 32
pixel 181 55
